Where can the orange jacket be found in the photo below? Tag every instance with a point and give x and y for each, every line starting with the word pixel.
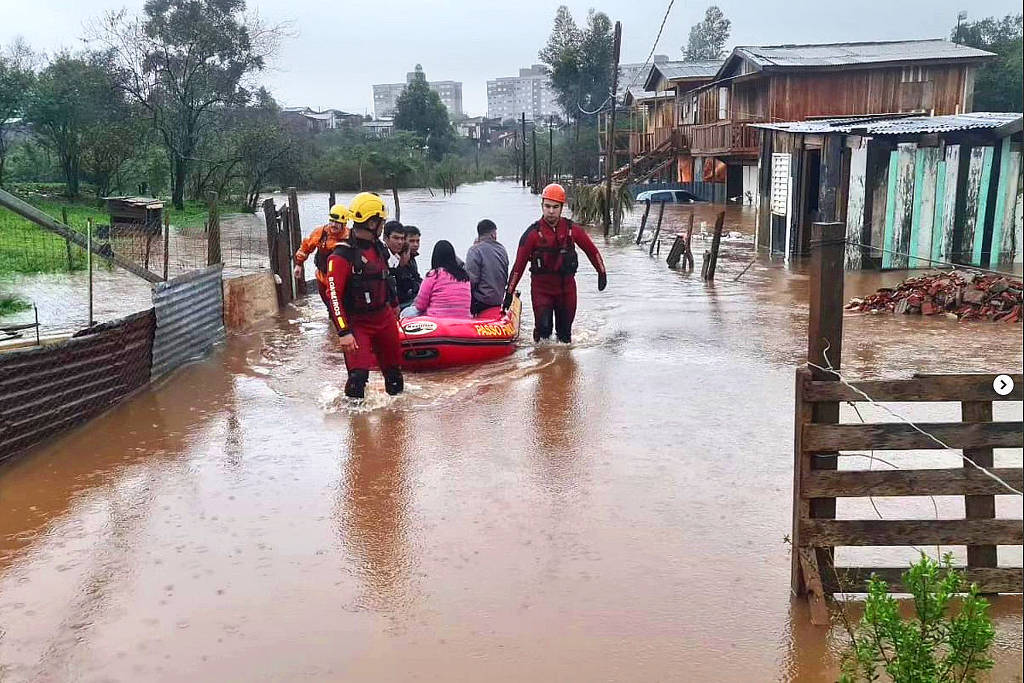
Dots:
pixel 323 238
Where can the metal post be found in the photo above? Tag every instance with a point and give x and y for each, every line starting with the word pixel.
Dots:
pixel 551 147
pixel 535 179
pixel 523 124
pixel 167 243
pixel 88 258
pixel 610 144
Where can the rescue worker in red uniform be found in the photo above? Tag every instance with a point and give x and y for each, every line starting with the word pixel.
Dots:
pixel 322 241
pixel 549 246
pixel 363 299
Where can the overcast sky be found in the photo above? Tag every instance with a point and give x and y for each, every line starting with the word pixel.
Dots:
pixel 337 50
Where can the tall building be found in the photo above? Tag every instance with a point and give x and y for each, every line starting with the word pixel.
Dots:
pixel 530 92
pixel 386 95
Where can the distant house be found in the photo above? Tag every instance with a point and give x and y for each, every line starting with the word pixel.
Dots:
pixel 798 82
pixel 478 128
pixel 316 121
pixel 379 128
pixel 912 190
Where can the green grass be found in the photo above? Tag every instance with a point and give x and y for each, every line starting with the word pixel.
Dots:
pixel 27 248
pixel 12 304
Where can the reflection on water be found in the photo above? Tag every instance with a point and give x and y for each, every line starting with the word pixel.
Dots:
pixel 614 509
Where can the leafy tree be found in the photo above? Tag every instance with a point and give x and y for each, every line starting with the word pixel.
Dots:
pixel 580 62
pixel 998 85
pixel 16 78
pixel 707 37
pixel 181 61
pixel 420 110
pixel 106 146
pixel 70 97
pixel 265 146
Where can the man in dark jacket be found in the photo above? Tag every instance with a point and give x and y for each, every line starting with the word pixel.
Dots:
pixel 487 265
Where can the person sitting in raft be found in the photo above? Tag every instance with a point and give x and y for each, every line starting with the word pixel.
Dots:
pixel 487 265
pixel 445 292
pixel 407 272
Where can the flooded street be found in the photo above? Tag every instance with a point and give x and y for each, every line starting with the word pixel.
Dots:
pixel 613 510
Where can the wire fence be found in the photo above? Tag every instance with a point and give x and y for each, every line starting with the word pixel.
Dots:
pixel 46 274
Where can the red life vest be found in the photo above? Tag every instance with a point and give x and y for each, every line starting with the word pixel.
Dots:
pixel 555 250
pixel 371 286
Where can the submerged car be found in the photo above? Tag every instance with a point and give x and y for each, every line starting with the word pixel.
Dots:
pixel 669 196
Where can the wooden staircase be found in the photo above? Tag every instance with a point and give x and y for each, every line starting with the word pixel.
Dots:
pixel 646 165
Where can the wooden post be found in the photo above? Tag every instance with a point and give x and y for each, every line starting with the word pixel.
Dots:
pixel 831 173
pixel 167 243
pixel 610 142
pixel 825 349
pixel 657 228
pixel 711 257
pixel 551 149
pixel 295 237
pixel 67 242
pixel 331 201
pixel 979 507
pixel 270 217
pixel 523 124
pixel 213 255
pixel 643 221
pixel 687 250
pixel 88 258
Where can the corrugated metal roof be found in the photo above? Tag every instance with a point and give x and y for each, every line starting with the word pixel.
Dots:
pixel 677 71
pixel 843 54
pixel 636 93
pixel 897 125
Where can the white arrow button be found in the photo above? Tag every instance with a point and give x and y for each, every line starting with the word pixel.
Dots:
pixel 1003 385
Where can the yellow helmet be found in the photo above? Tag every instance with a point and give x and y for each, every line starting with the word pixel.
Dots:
pixel 339 214
pixel 365 206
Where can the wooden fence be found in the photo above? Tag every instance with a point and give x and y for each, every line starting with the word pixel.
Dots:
pixel 819 438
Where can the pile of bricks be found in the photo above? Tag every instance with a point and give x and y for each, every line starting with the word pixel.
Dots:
pixel 977 297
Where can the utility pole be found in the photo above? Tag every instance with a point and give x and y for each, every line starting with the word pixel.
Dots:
pixel 610 143
pixel 551 147
pixel 523 120
pixel 534 188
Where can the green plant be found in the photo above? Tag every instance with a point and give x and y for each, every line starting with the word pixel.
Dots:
pixel 588 201
pixel 933 646
pixel 12 304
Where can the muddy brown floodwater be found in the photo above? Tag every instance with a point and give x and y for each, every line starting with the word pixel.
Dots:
pixel 614 510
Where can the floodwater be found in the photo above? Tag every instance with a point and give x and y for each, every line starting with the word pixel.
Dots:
pixel 613 510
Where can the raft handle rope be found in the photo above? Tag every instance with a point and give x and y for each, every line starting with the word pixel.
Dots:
pixel 842 380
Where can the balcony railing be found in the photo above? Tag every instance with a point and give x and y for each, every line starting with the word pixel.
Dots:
pixel 720 138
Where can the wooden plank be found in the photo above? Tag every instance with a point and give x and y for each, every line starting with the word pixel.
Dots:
pixel 1003 243
pixel 803 414
pixel 889 242
pixel 945 215
pixel 823 438
pixel 935 482
pixel 974 194
pixel 979 506
pixel 902 210
pixel 886 532
pixel 815 589
pixel 925 187
pixel 983 192
pixel 854 579
pixel 829 176
pixel 957 388
pixel 855 207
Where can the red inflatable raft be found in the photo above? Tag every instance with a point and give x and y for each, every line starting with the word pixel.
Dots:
pixel 432 343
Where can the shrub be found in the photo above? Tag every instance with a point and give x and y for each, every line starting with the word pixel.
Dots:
pixel 931 647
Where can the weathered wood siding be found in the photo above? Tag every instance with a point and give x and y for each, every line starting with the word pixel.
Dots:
pixel 945 206
pixel 796 96
pixel 855 207
pixel 1004 246
pixel 922 234
pixel 899 206
pixel 979 171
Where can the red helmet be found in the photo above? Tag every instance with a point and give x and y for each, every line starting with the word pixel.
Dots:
pixel 554 192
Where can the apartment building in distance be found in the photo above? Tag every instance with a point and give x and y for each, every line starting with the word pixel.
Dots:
pixel 528 93
pixel 385 95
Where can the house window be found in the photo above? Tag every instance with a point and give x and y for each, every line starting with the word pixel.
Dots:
pixel 723 103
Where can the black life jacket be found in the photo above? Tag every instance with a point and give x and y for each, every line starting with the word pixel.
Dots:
pixel 320 259
pixel 371 286
pixel 554 256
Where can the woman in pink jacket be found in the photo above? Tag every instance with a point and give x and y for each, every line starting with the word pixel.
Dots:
pixel 445 292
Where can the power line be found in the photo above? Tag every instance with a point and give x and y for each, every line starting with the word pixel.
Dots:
pixel 653 47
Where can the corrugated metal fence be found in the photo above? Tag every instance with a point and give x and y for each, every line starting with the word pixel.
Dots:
pixel 189 318
pixel 46 390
